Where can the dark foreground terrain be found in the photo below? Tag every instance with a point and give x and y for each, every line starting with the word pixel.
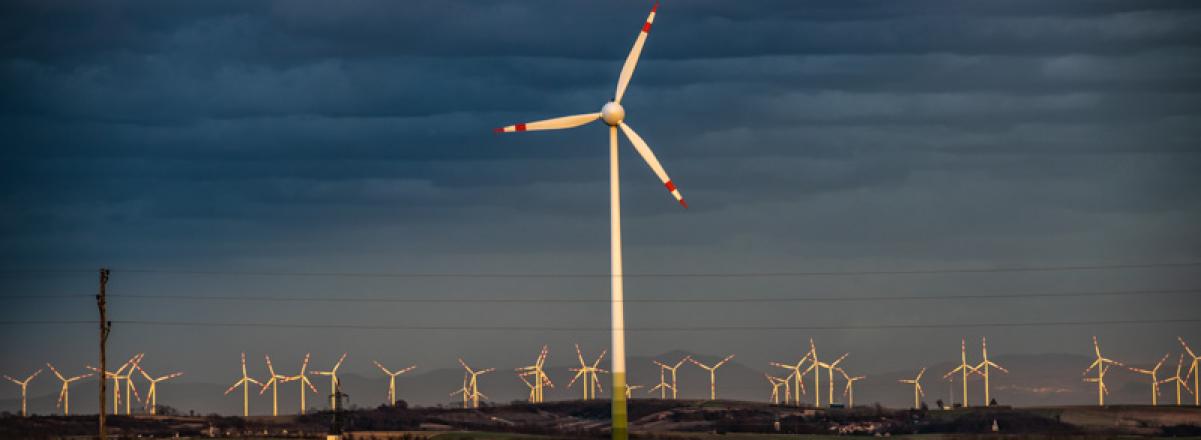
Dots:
pixel 650 418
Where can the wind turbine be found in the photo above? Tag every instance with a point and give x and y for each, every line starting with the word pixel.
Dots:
pixel 850 389
pixel 304 380
pixel 982 369
pixel 152 393
pixel 1177 379
pixel 776 383
pixel 24 384
pixel 1192 371
pixel 917 388
pixel 672 369
pixel 245 382
pixel 540 377
pixel 964 369
pixel 797 376
pixel 593 385
pixel 273 383
pixel 612 114
pixel 1102 365
pixel 464 391
pixel 712 374
pixel 816 367
pixel 117 376
pixel 830 367
pixel 662 386
pixel 64 395
pixel 333 381
pixel 630 390
pixel 474 385
pixel 1154 373
pixel 392 380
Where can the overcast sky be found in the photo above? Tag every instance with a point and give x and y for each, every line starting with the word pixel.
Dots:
pixel 302 136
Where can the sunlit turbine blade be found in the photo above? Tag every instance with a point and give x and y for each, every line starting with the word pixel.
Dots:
pixel 551 124
pixel 627 70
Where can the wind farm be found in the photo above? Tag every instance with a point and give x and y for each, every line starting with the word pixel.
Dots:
pixel 460 185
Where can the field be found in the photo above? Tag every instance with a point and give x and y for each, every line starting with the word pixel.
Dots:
pixel 650 419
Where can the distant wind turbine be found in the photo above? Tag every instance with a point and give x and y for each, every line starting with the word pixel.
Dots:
pixel 392 380
pixel 712 374
pixel 24 384
pixel 333 381
pixel 917 388
pixel 244 382
pixel 64 395
pixel 152 392
pixel 1102 364
pixel 983 368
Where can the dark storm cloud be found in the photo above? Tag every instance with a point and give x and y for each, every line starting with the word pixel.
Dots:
pixel 302 135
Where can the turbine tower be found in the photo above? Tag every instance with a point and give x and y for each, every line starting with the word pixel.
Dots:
pixel 672 368
pixel 304 380
pixel 1178 379
pixel 982 369
pixel 797 376
pixel 917 388
pixel 473 386
pixel 24 384
pixel 540 377
pixel 245 382
pixel 1102 364
pixel 1192 371
pixel 712 374
pixel 64 395
pixel 963 369
pixel 392 380
pixel 333 381
pixel 273 383
pixel 613 114
pixel 850 388
pixel 1154 373
pixel 593 385
pixel 152 393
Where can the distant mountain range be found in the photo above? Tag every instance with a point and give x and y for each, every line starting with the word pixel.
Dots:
pixel 1034 380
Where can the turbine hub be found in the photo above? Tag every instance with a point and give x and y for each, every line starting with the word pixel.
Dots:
pixel 612 113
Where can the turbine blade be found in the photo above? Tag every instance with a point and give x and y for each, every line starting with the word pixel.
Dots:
pixel 649 156
pixel 627 70
pixel 339 364
pixel 551 124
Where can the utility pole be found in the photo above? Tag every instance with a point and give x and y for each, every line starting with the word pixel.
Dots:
pixel 105 326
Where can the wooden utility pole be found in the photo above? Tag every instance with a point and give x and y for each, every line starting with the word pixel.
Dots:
pixel 105 326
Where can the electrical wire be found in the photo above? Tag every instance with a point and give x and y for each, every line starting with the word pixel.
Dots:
pixel 353 299
pixel 606 329
pixel 1082 267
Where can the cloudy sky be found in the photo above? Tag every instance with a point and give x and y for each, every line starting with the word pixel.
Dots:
pixel 300 137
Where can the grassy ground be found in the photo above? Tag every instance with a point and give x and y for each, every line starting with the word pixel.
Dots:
pixel 736 436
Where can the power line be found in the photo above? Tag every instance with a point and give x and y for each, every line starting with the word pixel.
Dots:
pixel 1011 295
pixel 1060 268
pixel 606 329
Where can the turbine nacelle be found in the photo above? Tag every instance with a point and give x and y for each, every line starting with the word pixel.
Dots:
pixel 613 113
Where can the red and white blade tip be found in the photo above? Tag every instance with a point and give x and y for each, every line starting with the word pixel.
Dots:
pixel 646 27
pixel 675 192
pixel 510 128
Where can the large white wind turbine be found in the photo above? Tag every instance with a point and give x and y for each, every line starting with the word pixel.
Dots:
pixel 612 114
